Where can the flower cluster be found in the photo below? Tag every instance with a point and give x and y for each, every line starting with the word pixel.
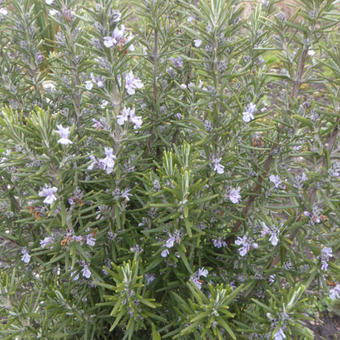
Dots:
pixel 48 192
pixel 64 134
pixel 132 83
pixel 129 115
pixel 217 166
pixel 170 242
pixel 273 232
pixel 196 277
pixel 248 114
pixel 326 254
pixel 106 163
pixel 246 244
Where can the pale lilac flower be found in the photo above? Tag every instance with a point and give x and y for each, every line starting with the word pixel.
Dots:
pixel 149 278
pixel 334 293
pixel 276 180
pixel 132 83
pixel 108 162
pixel 202 272
pixel 279 335
pixel 124 117
pixel 109 41
pixel 165 253
pixel 272 232
pixel 248 115
pixel 178 62
pixel 86 272
pixel 116 38
pixel 64 134
pixel 48 192
pixel 116 16
pixel 234 195
pixel 170 242
pixel 26 257
pixel 46 241
pixel 93 164
pixel 335 169
pixel 104 103
pixel 137 120
pixel 90 240
pixel 74 276
pixel 88 85
pixel 215 164
pixel 247 244
pixel 219 242
pixel 126 194
pixel 195 278
pixel 49 2
pixel 175 237
pixel 303 177
pixel 326 254
pixel 197 42
pixel 183 86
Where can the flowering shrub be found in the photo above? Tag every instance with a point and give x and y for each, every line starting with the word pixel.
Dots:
pixel 168 169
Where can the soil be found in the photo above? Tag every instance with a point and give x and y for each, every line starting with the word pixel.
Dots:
pixel 328 328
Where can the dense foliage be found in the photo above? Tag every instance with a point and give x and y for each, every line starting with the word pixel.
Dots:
pixel 169 169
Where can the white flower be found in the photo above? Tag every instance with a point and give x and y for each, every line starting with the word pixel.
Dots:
pixel 48 192
pixel 3 11
pixel 248 115
pixel 183 86
pixel 26 257
pixel 276 180
pixel 234 195
pixel 215 164
pixel 49 2
pixel 64 134
pixel 88 85
pixel 334 293
pixel 311 53
pixel 197 42
pixel 132 83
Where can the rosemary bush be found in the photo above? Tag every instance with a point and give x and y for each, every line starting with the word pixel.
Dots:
pixel 169 169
